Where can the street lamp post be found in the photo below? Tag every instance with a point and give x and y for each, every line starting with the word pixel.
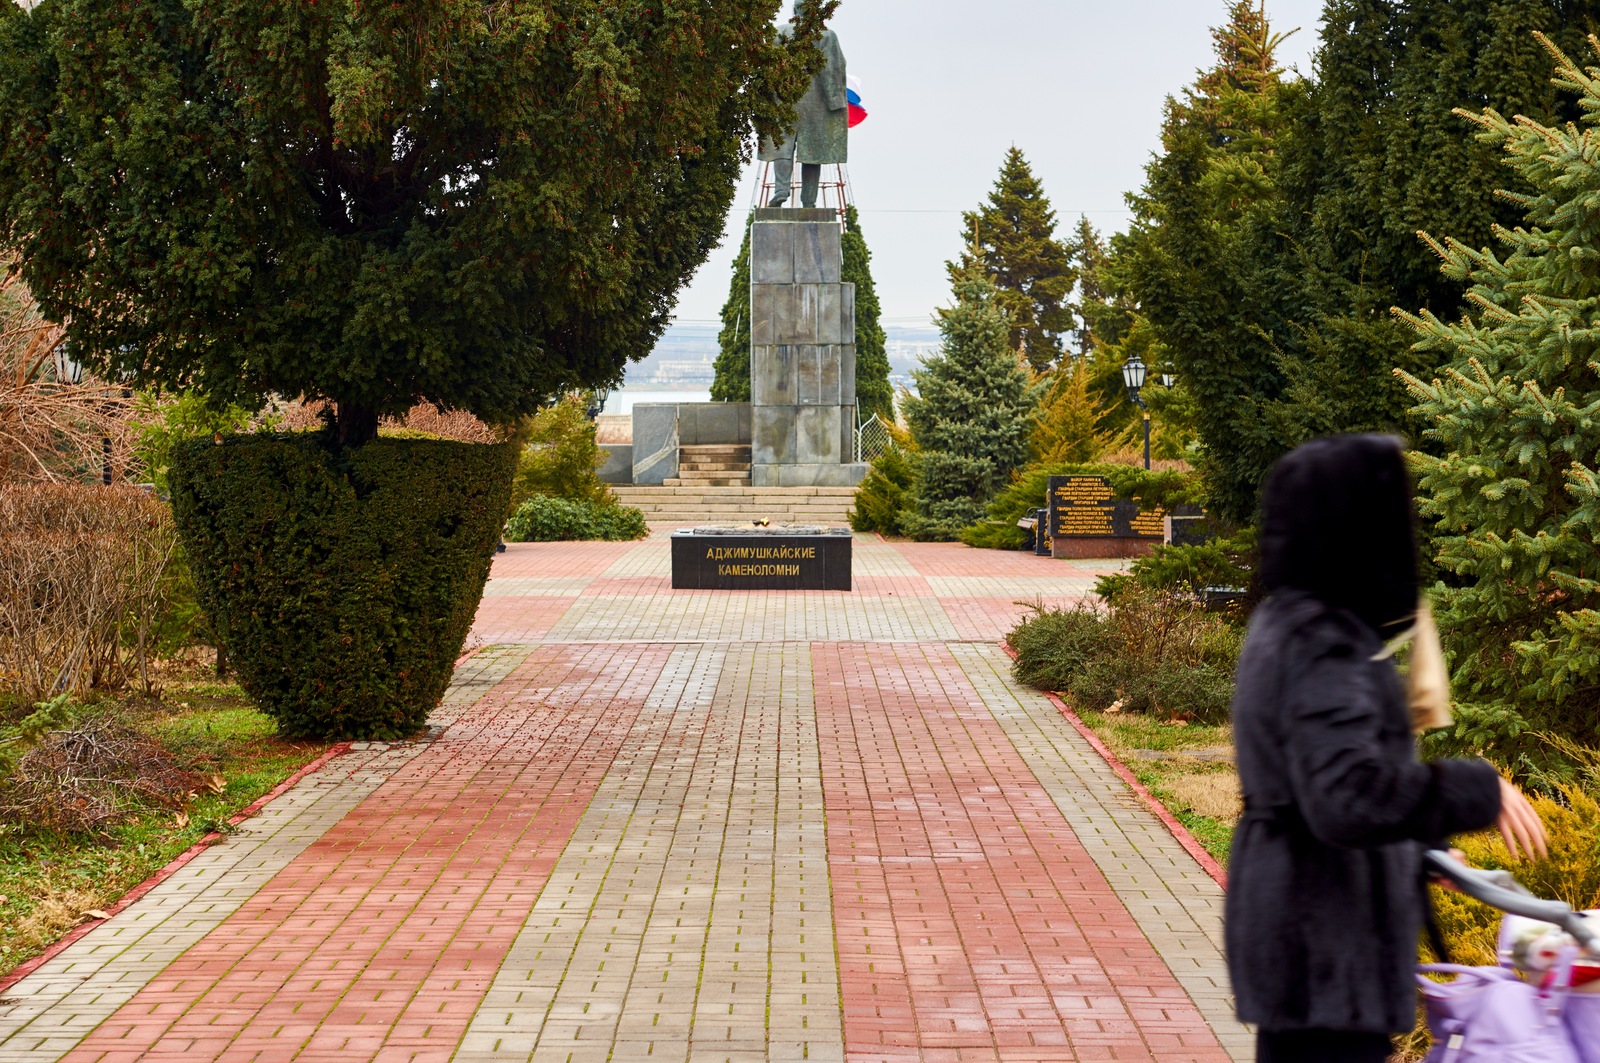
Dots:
pixel 1133 374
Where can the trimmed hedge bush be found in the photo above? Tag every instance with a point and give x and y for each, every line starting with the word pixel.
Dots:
pixel 548 519
pixel 343 583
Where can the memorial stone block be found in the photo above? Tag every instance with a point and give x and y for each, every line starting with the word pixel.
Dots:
pixel 655 442
pixel 780 557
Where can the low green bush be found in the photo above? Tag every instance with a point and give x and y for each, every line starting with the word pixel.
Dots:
pixel 544 519
pixel 1029 488
pixel 1054 646
pixel 1226 562
pixel 1143 651
pixel 883 496
pixel 342 581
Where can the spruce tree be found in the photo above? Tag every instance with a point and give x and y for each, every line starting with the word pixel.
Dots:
pixel 1099 315
pixel 732 380
pixel 1514 482
pixel 970 418
pixel 1012 239
pixel 874 394
pixel 1377 155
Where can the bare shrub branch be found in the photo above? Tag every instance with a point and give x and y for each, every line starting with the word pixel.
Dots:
pixel 81 577
pixel 52 430
pixel 95 772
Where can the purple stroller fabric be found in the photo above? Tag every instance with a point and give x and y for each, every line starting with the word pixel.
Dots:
pixel 1489 1015
pixel 1582 1016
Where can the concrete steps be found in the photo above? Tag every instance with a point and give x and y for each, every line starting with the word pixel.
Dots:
pixel 683 504
pixel 707 465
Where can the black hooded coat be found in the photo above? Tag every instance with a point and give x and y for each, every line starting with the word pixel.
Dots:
pixel 1325 898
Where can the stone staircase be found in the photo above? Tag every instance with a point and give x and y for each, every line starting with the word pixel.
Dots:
pixel 712 466
pixel 829 506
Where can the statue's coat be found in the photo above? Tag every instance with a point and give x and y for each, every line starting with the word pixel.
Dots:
pixel 822 117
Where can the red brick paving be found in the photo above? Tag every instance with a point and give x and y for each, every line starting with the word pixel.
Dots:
pixel 959 559
pixel 380 940
pixel 559 559
pixel 988 618
pixel 514 619
pixel 970 922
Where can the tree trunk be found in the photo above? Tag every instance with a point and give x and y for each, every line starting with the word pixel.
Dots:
pixel 222 661
pixel 355 425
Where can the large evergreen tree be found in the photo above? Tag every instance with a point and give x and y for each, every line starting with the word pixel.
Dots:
pixel 1209 268
pixel 970 418
pixel 1012 238
pixel 874 394
pixel 1378 155
pixel 731 382
pixel 1278 224
pixel 378 204
pixel 1098 315
pixel 1514 484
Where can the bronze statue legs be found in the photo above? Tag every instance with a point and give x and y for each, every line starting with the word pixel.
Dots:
pixel 810 182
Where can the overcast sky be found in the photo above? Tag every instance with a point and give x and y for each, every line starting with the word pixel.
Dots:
pixel 1078 85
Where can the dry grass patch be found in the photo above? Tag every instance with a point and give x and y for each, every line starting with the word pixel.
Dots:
pixel 1212 793
pixel 1187 767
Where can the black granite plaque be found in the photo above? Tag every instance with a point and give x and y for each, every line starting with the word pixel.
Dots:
pixel 1190 527
pixel 761 559
pixel 1085 507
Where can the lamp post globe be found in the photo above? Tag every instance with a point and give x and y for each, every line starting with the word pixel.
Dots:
pixel 1133 375
pixel 1168 380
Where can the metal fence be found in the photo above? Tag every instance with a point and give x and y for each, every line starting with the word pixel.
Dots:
pixel 872 439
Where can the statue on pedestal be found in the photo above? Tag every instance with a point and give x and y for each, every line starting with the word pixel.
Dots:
pixel 822 127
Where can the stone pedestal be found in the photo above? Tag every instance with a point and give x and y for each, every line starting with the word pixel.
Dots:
pixel 802 353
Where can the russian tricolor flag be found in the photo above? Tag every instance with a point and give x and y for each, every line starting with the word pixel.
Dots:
pixel 852 91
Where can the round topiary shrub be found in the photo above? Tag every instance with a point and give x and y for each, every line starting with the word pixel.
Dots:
pixel 343 582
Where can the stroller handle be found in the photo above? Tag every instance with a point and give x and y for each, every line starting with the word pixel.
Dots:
pixel 1500 890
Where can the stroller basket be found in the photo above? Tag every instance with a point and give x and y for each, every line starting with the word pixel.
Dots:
pixel 1490 1014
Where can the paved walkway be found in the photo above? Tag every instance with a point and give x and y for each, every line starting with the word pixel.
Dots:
pixel 658 825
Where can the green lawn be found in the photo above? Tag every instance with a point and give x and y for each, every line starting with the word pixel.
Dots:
pixel 49 880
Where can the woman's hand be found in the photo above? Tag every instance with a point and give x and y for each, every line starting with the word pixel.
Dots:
pixel 1520 825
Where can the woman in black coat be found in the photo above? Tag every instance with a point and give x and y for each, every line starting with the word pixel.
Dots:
pixel 1326 897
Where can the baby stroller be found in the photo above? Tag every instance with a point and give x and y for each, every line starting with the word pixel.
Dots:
pixel 1541 1005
